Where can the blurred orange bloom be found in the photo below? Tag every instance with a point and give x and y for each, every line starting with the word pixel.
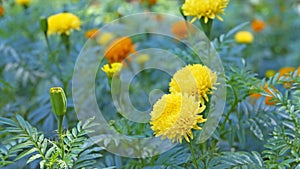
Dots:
pixel 181 28
pixel 1 10
pixel 258 25
pixel 150 2
pixel 285 71
pixel 92 33
pixel 119 49
pixel 268 98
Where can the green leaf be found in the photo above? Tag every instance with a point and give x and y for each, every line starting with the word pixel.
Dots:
pixel 25 153
pixel 34 157
pixel 7 122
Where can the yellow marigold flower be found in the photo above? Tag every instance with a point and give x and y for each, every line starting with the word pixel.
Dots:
pixel 175 115
pixel 270 73
pixel 119 49
pixel 2 10
pixel 244 37
pixel 63 23
pixel 23 2
pixel 195 80
pixel 113 69
pixel 258 25
pixel 181 28
pixel 207 9
pixel 92 33
pixel 105 37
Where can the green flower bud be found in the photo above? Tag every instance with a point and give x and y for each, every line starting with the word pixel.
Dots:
pixel 58 101
pixel 44 24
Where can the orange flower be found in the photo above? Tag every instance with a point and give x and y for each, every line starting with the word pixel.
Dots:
pixel 268 98
pixel 299 71
pixel 92 33
pixel 258 25
pixel 150 2
pixel 119 49
pixel 285 71
pixel 1 10
pixel 181 28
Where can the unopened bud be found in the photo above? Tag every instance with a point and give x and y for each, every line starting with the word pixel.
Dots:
pixel 58 101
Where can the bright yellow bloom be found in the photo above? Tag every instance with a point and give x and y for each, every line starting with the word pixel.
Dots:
pixel 105 37
pixel 195 80
pixel 206 9
pixel 63 23
pixel 270 73
pixel 113 69
pixel 92 33
pixel 175 115
pixel 23 2
pixel 244 37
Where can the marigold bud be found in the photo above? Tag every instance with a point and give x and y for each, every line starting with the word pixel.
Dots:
pixel 44 24
pixel 58 101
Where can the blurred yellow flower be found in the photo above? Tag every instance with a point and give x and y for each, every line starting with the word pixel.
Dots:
pixel 195 80
pixel 181 29
pixel 23 2
pixel 175 115
pixel 270 73
pixel 2 10
pixel 92 33
pixel 113 69
pixel 119 49
pixel 258 25
pixel 63 23
pixel 142 58
pixel 206 9
pixel 244 37
pixel 105 37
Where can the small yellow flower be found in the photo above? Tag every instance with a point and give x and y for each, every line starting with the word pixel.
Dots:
pixel 270 73
pixel 175 115
pixel 23 2
pixel 92 33
pixel 195 80
pixel 142 59
pixel 244 37
pixel 105 38
pixel 206 9
pixel 63 23
pixel 113 69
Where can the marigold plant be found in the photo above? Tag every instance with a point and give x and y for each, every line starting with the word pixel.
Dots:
pixel 63 23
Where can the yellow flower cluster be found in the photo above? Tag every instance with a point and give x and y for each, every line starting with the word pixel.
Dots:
pixel 176 114
pixel 63 23
pixel 113 69
pixel 206 9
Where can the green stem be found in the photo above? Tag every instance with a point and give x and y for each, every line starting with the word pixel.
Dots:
pixel 193 155
pixel 66 40
pixel 206 26
pixel 61 137
pixel 232 108
pixel 47 42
